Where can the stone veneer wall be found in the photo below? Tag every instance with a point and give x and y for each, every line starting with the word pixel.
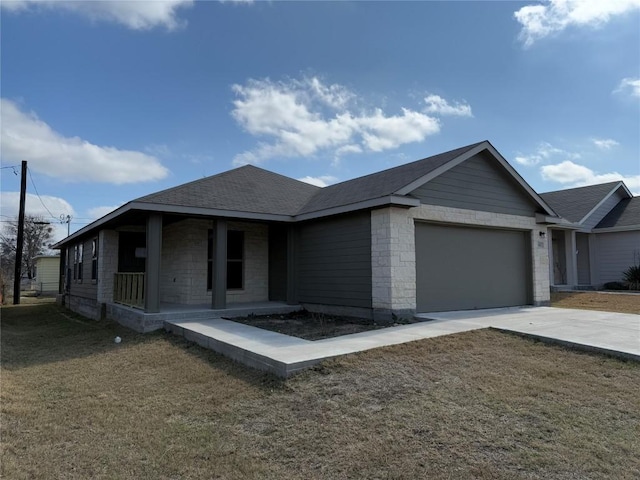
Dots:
pixel 183 268
pixel 183 272
pixel 393 263
pixel 256 263
pixel 393 252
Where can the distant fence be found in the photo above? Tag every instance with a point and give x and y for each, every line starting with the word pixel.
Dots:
pixel 128 289
pixel 44 287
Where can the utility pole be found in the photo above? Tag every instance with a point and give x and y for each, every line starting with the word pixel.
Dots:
pixel 66 219
pixel 20 239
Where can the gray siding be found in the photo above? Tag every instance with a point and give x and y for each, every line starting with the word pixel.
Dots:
pixel 479 183
pixel 615 252
pixel 85 288
pixel 333 261
pixel 602 211
pixel 584 270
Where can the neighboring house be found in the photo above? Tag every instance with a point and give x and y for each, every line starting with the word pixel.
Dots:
pixel 601 236
pixel 47 278
pixel 459 230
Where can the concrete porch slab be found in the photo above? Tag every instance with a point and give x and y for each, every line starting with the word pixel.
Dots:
pixel 140 321
pixel 610 333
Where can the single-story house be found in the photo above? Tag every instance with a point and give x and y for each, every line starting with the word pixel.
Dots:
pixel 47 276
pixel 458 230
pixel 600 238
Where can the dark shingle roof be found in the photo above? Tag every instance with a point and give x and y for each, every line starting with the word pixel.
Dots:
pixel 625 214
pixel 380 184
pixel 574 203
pixel 245 189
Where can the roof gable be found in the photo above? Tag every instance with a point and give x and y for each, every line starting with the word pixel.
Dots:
pixel 379 184
pixel 577 204
pixel 625 214
pixel 479 183
pixel 245 189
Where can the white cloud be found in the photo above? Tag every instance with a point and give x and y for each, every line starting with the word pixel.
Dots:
pixel 438 105
pixel 544 152
pixel 629 86
pixel 299 118
pixel 321 181
pixel 542 20
pixel 604 143
pixel 10 203
pixel 99 212
pixel 574 175
pixel 347 149
pixel 136 15
pixel 25 137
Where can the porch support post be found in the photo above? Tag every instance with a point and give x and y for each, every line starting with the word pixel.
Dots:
pixel 292 281
pixel 572 259
pixel 62 270
pixel 594 266
pixel 152 271
pixel 552 260
pixel 219 287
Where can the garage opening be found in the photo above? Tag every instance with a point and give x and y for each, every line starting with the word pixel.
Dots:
pixel 466 268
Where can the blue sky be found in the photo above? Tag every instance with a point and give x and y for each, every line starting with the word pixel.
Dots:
pixel 108 101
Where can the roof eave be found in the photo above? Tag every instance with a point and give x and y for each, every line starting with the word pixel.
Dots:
pixel 177 209
pixel 210 212
pixel 386 201
pixel 93 225
pixel 543 219
pixel 623 228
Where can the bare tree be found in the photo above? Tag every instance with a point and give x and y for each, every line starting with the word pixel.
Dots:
pixel 37 236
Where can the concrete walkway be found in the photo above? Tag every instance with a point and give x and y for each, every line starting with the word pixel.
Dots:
pixel 613 333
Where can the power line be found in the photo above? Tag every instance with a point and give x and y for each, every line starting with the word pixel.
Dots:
pixel 39 198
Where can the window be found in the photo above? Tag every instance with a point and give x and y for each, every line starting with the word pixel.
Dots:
pixel 131 247
pixel 80 255
pixel 235 260
pixel 94 259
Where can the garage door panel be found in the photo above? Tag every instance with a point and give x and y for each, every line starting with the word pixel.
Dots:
pixel 460 268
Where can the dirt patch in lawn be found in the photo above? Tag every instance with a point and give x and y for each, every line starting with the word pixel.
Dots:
pixel 480 405
pixel 603 301
pixel 316 326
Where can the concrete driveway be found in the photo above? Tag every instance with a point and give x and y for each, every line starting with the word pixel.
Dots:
pixel 613 333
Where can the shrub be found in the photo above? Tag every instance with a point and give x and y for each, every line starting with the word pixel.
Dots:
pixel 615 286
pixel 632 277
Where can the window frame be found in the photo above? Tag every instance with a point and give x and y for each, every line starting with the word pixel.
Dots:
pixel 240 260
pixel 80 261
pixel 94 259
pixel 75 262
pixel 236 261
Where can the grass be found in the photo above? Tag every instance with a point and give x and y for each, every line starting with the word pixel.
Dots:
pixel 608 302
pixel 475 405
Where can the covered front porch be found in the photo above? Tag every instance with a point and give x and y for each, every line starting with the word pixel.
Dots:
pixel 159 265
pixel 571 259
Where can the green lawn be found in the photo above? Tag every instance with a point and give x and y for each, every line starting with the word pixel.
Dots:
pixel 475 405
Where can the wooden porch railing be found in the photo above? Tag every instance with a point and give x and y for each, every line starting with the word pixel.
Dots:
pixel 128 289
